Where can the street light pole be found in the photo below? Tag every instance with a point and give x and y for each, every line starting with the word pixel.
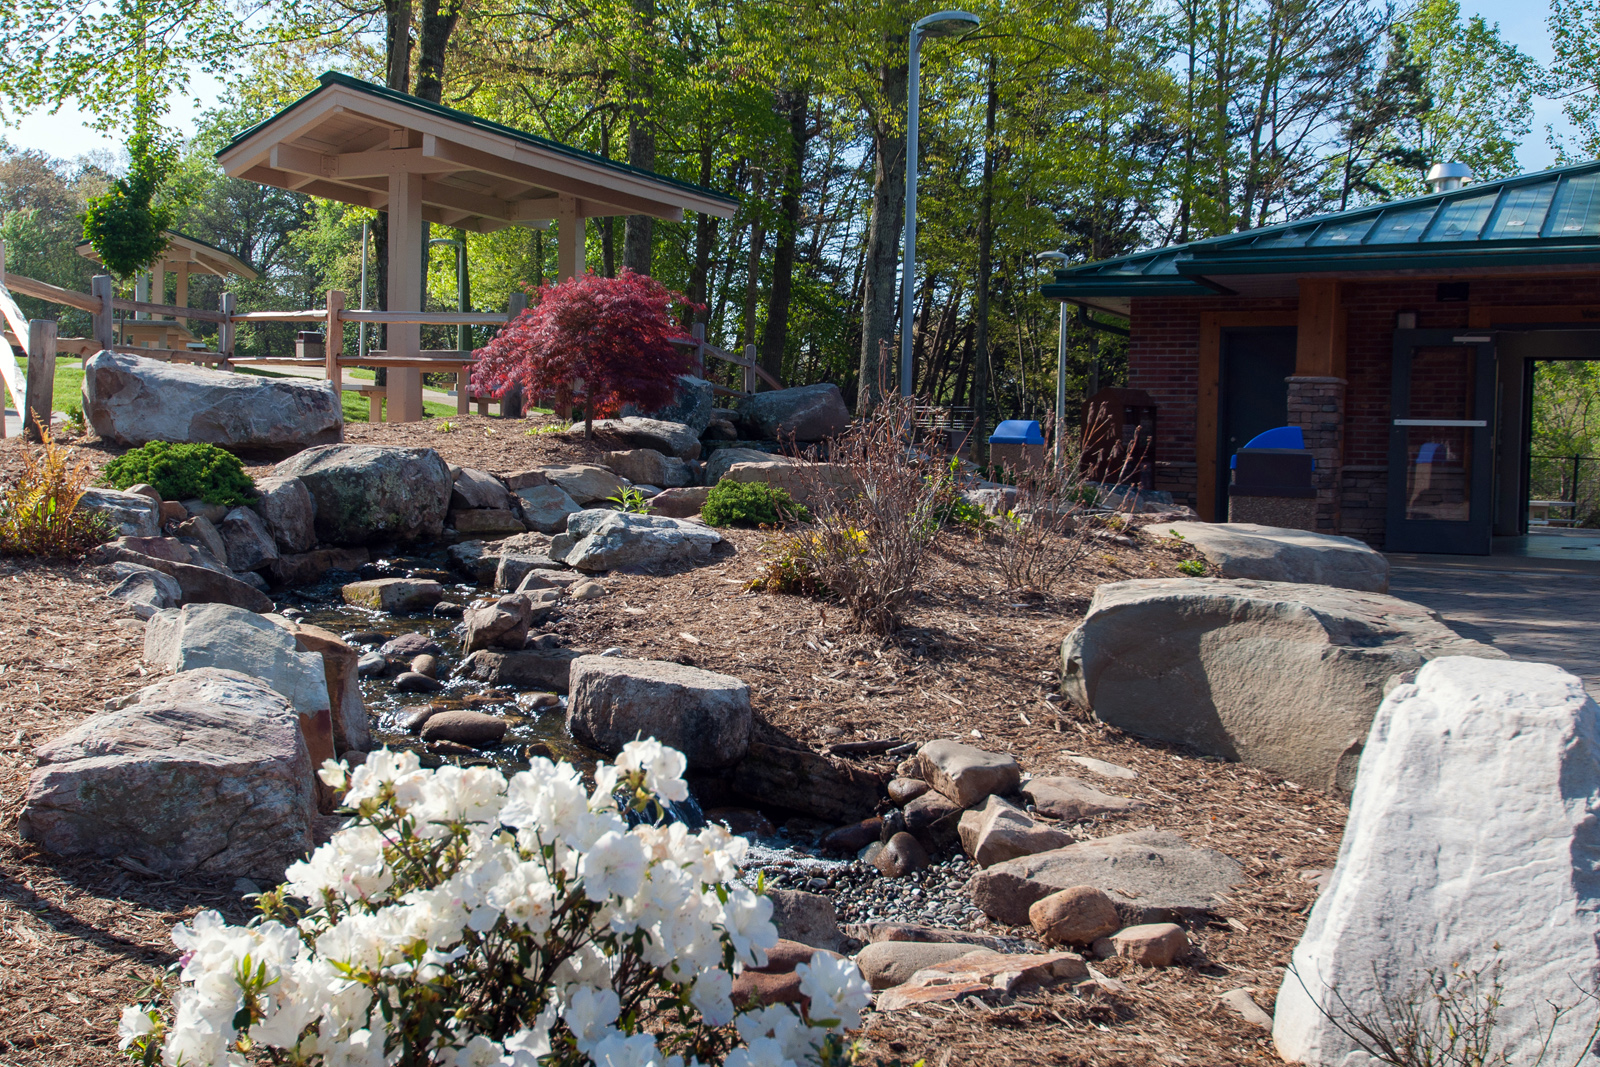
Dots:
pixel 940 24
pixel 1061 361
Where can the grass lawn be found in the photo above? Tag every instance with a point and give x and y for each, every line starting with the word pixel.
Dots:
pixel 68 385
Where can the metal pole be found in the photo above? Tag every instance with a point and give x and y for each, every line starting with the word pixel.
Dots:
pixel 909 260
pixel 1061 382
pixel 361 329
pixel 463 293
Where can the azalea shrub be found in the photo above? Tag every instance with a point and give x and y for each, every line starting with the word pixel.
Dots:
pixel 461 918
pixel 612 334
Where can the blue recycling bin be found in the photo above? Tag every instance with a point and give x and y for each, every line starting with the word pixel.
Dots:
pixel 1017 444
pixel 1017 432
pixel 1272 483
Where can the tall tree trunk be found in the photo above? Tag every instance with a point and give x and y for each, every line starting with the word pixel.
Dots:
pixel 797 102
pixel 397 75
pixel 607 224
pixel 752 282
pixel 878 303
pixel 705 240
pixel 639 233
pixel 432 41
pixel 980 338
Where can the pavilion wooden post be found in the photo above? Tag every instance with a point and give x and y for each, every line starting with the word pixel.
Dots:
pixel 570 258
pixel 41 378
pixel 698 332
pixel 181 295
pixel 105 323
pixel 333 344
pixel 749 368
pixel 405 293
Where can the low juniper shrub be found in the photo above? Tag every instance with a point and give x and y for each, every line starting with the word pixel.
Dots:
pixel 184 472
pixel 733 503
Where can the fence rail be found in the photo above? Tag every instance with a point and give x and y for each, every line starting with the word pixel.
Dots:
pixel 1573 481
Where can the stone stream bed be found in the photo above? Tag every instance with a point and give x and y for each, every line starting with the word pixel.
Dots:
pixel 783 855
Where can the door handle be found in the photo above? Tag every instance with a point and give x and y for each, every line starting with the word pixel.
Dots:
pixel 1474 423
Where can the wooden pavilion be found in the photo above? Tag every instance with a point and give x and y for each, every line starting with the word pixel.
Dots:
pixel 183 257
pixel 363 144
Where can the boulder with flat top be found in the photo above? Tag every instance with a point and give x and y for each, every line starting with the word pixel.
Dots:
pixel 804 413
pixel 1275 554
pixel 704 715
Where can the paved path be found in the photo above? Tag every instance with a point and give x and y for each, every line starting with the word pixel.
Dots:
pixel 1533 613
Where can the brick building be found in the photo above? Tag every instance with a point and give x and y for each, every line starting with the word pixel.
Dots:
pixel 1399 338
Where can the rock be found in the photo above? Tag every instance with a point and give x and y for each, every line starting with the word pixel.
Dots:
pixel 449 609
pixel 1104 769
pixel 785 956
pixel 900 855
pixel 761 988
pixel 205 773
pixel 233 639
pixel 874 932
pixel 586 591
pixel 892 963
pixel 647 466
pixel 172 513
pixel 543 668
pixel 371 664
pixel 477 489
pixel 672 438
pixel 965 774
pixel 248 542
pixel 1152 874
pixel 548 579
pixel 426 664
pixel 719 429
pixel 488 522
pixel 807 918
pixel 526 480
pixel 146 590
pixel 200 585
pixel 287 507
pixel 723 458
pixel 1000 831
pixel 366 494
pixel 512 567
pixel 1278 676
pixel 705 716
pixel 905 790
pixel 464 728
pixel 412 721
pixel 394 595
pixel 680 503
pixel 199 509
pixel 821 786
pixel 252 579
pixel 413 682
pixel 502 624
pixel 203 532
pixel 1075 916
pixel 802 481
pixel 585 483
pixel 1245 1006
pixel 984 974
pixel 132 401
pixel 742 821
pixel 691 405
pixel 340 669
pixel 1074 800
pixel 128 514
pixel 145 489
pixel 994 500
pixel 306 568
pixel 1471 843
pixel 412 644
pixel 1151 945
pixel 605 540
pixel 852 838
pixel 803 413
pixel 1273 554
pixel 934 819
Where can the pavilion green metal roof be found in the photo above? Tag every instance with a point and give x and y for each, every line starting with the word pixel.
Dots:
pixel 1543 219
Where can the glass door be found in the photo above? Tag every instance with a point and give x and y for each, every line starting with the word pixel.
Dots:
pixel 1441 455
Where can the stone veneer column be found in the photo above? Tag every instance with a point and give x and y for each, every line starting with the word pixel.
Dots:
pixel 1316 405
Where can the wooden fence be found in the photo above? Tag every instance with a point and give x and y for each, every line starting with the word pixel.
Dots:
pixel 37 338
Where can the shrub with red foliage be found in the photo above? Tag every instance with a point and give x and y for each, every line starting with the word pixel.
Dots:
pixel 612 333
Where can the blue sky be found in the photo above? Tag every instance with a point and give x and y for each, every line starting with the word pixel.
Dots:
pixel 1523 23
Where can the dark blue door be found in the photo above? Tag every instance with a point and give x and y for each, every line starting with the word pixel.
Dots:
pixel 1256 363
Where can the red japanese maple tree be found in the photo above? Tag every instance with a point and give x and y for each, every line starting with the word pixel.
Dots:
pixel 611 334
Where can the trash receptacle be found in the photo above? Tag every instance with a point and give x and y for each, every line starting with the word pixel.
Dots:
pixel 1018 444
pixel 1272 481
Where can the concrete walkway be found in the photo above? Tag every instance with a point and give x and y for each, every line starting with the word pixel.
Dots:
pixel 1532 609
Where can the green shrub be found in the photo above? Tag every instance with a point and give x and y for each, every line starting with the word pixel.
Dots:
pixel 184 472
pixel 750 504
pixel 1194 568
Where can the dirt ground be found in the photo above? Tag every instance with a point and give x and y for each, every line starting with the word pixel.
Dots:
pixel 975 663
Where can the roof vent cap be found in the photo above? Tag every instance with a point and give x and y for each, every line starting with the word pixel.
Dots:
pixel 1448 177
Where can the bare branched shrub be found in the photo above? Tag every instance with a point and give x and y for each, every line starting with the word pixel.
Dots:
pixel 875 509
pixel 39 514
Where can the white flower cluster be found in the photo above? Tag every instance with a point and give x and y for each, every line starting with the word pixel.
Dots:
pixel 463 919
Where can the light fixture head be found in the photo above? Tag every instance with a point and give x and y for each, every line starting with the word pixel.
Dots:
pixel 946 24
pixel 1059 257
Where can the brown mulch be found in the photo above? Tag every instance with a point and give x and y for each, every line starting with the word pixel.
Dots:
pixel 974 662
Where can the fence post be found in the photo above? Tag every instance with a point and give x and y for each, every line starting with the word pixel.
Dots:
pixel 749 368
pixel 226 333
pixel 104 321
pixel 698 332
pixel 41 378
pixel 516 306
pixel 333 344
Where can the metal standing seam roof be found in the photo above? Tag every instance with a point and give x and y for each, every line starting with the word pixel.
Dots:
pixel 1547 218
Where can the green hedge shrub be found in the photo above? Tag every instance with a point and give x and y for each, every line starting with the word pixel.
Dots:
pixel 184 472
pixel 750 504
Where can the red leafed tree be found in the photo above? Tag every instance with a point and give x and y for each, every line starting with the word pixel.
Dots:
pixel 612 334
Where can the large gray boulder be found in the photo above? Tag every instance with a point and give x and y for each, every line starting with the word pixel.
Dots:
pixel 287 507
pixel 1273 554
pixel 804 413
pixel 646 466
pixel 604 540
pixel 477 489
pixel 128 514
pixel 723 459
pixel 671 438
pixel 145 589
pixel 529 668
pixel 704 715
pixel 1280 676
pixel 1471 848
pixel 365 494
pixel 232 639
pixel 132 401
pixel 204 773
pixel 587 483
pixel 692 405
pixel 826 787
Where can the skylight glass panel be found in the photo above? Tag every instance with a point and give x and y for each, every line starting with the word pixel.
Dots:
pixel 1463 219
pixel 1576 211
pixel 1521 212
pixel 1402 225
pixel 1336 234
pixel 1291 238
